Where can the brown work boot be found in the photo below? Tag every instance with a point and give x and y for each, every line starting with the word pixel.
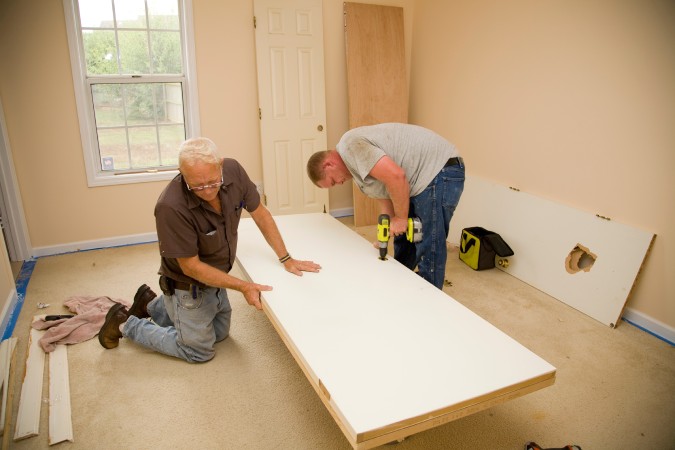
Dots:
pixel 110 334
pixel 140 307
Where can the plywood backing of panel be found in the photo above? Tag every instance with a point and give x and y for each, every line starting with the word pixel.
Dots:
pixel 376 77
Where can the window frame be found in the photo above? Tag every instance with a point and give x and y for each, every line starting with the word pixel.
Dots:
pixel 85 104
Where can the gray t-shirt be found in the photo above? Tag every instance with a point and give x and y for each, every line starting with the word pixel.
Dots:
pixel 420 152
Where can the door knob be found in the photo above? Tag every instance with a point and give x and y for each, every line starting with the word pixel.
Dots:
pixel 320 128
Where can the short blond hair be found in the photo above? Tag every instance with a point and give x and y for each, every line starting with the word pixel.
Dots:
pixel 315 170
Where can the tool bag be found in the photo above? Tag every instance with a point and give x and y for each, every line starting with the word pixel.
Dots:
pixel 479 247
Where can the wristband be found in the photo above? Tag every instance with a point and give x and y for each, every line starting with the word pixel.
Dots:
pixel 283 259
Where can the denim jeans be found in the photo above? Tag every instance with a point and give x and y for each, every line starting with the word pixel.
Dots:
pixel 184 327
pixel 435 207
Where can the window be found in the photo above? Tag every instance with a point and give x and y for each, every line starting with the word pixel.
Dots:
pixel 133 70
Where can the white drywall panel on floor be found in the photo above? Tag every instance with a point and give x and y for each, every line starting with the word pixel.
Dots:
pixel 542 234
pixel 387 352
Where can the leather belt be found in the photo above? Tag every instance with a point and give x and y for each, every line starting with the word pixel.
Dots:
pixel 181 285
pixel 456 161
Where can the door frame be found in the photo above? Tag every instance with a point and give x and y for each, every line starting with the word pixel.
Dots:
pixel 11 208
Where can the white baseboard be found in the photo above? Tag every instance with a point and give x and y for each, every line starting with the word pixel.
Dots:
pixel 343 212
pixel 650 325
pixel 95 244
pixel 128 240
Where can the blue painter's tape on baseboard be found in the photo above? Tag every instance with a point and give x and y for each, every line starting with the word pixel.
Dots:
pixel 21 285
pixel 646 330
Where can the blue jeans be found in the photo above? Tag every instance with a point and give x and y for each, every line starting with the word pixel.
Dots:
pixel 184 327
pixel 435 207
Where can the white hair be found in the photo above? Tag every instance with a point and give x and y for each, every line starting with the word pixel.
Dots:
pixel 199 149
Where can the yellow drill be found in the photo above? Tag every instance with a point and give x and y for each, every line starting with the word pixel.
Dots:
pixel 413 232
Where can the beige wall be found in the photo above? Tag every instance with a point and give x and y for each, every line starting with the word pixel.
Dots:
pixel 573 101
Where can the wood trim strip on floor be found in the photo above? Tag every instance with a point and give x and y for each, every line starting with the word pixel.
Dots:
pixel 6 351
pixel 60 419
pixel 28 418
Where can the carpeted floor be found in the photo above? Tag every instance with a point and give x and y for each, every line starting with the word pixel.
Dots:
pixel 615 388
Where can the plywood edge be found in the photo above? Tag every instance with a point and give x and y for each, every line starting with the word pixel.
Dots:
pixel 60 418
pixel 28 417
pixel 408 427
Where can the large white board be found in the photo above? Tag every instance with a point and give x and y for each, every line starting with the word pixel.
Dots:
pixel 542 233
pixel 389 354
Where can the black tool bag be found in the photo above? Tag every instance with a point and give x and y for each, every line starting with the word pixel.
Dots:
pixel 479 247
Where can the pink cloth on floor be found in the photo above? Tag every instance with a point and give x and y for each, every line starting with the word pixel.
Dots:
pixel 90 314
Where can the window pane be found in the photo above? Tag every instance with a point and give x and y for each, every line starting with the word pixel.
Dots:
pixel 140 104
pixel 170 138
pixel 134 54
pixel 113 145
pixel 96 13
pixel 130 13
pixel 144 149
pixel 108 106
pixel 163 14
pixel 169 97
pixel 100 52
pixel 166 52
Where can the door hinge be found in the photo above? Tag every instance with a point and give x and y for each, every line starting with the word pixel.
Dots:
pixel 255 22
pixel 265 199
pixel 259 114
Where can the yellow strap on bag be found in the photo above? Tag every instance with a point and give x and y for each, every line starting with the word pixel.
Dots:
pixel 469 250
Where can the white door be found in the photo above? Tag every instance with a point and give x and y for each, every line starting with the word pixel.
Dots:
pixel 291 91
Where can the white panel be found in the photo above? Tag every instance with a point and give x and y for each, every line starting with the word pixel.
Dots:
pixel 275 21
pixel 278 83
pixel 303 23
pixel 306 83
pixel 384 349
pixel 542 233
pixel 282 154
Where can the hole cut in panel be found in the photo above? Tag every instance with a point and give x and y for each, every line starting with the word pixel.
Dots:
pixel 579 259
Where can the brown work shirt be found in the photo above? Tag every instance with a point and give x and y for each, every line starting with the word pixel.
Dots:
pixel 188 226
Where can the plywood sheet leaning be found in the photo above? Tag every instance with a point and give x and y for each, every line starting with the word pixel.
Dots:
pixel 388 354
pixel 582 259
pixel 376 77
pixel 60 419
pixel 28 417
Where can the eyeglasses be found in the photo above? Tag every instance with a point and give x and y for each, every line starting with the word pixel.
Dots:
pixel 217 184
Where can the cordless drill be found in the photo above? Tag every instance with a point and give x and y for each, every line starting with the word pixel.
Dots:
pixel 413 233
pixel 383 234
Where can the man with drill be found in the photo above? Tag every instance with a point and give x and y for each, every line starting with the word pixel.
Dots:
pixel 413 172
